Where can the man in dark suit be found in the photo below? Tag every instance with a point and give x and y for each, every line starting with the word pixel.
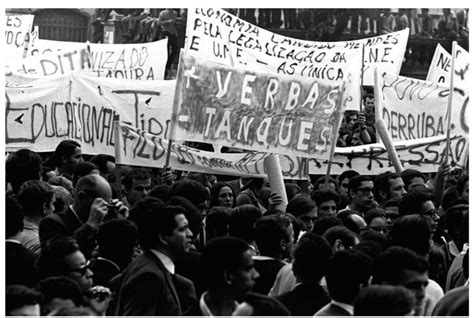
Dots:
pixel 92 202
pixel 230 275
pixel 310 262
pixel 347 271
pixel 149 286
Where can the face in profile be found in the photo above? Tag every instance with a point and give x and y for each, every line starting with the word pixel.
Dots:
pixel 244 276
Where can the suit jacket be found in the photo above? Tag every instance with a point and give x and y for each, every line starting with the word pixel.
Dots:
pixel 19 265
pixel 305 299
pixel 332 310
pixel 268 270
pixel 148 289
pixel 66 224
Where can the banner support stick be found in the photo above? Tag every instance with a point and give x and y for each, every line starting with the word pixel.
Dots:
pixel 450 103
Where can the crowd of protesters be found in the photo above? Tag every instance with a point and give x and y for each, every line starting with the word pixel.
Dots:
pixel 93 238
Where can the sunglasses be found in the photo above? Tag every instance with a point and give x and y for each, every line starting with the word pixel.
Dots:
pixel 83 269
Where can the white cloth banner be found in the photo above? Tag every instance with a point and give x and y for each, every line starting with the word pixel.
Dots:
pixel 44 112
pixel 218 35
pixel 141 61
pixel 440 67
pixel 16 29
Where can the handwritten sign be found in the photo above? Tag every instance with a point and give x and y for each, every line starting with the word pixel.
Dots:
pixel 217 34
pixel 255 111
pixel 42 113
pixel 142 149
pixel 440 67
pixel 17 28
pixel 414 109
pixel 142 61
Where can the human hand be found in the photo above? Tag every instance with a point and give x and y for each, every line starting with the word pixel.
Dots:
pixel 99 209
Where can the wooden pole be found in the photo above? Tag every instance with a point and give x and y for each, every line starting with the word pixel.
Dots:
pixel 450 103
pixel 118 160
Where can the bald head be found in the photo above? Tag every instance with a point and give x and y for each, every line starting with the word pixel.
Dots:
pixel 88 188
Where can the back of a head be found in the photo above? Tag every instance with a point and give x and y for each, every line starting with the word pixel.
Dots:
pixel 101 160
pixel 347 174
pixel 60 287
pixel 372 214
pixel 83 169
pixel 17 296
pixel 300 205
pixel 311 257
pixel 13 216
pixel 52 258
pixel 292 189
pixel 324 223
pixel 20 166
pixel 191 190
pixel 221 254
pixel 409 174
pixel 161 192
pixel 371 248
pixel 242 220
pixel 371 236
pixel 322 180
pixel 217 222
pixel 62 182
pixel 389 266
pixel 348 221
pixel 347 237
pixel 413 232
pixel 347 271
pixel 265 306
pixel 269 232
pixel 457 221
pixel 115 236
pixel 412 202
pixel 384 300
pixel 460 186
pixel 33 195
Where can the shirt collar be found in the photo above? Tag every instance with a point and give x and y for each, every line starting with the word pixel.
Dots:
pixel 167 262
pixel 346 307
pixel 27 225
pixel 205 308
pixel 13 241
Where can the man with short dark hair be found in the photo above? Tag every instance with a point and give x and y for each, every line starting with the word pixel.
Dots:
pixel 347 271
pixel 413 177
pixel 420 202
pixel 230 275
pixel 149 286
pixel 136 186
pixel 361 192
pixel 20 166
pixel 388 185
pixel 401 266
pixel 326 201
pixel 68 154
pixel 309 266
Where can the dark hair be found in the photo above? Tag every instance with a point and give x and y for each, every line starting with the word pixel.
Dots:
pixel 392 203
pixel 370 235
pixel 292 189
pixel 101 160
pixel 412 202
pixel 153 218
pixel 17 296
pixel 450 195
pixel 217 222
pixel 311 257
pixel 409 174
pixel 62 198
pixel 371 248
pixel 324 223
pixel 381 183
pixel 269 231
pixel 62 182
pixel 61 287
pixel 456 218
pixel 461 183
pixel 348 221
pixel 355 182
pixel 191 190
pixel 320 196
pixel 161 192
pixel 65 149
pixel 344 283
pixel 266 306
pixel 384 300
pixel 242 220
pixel 300 205
pixel 389 266
pixel 135 174
pixel 13 217
pixel 322 179
pixel 220 255
pixel 347 174
pixel 413 232
pixel 191 212
pixel 51 261
pixel 82 169
pixel 20 166
pixel 216 188
pixel 117 237
pixel 340 232
pixel 33 194
pixel 372 214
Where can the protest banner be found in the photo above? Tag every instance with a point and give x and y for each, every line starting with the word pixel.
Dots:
pixel 83 108
pixel 17 28
pixel 216 34
pixel 256 111
pixel 138 61
pixel 440 67
pixel 50 64
pixel 414 109
pixel 425 155
pixel 138 148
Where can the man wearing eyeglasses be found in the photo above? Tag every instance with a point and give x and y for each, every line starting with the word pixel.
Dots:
pixel 388 185
pixel 361 192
